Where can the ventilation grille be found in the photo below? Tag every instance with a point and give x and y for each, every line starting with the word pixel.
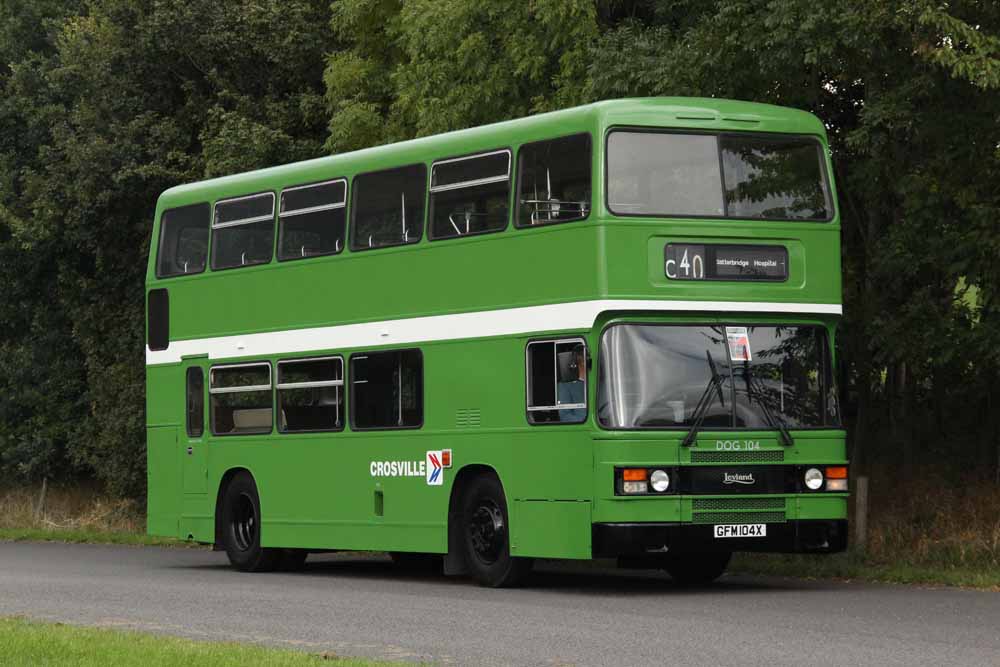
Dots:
pixel 468 418
pixel 739 517
pixel 737 504
pixel 758 456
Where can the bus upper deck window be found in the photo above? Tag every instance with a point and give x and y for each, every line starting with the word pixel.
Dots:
pixel 688 174
pixel 183 245
pixel 243 231
pixel 470 195
pixel 311 220
pixel 387 207
pixel 660 173
pixel 554 181
pixel 780 178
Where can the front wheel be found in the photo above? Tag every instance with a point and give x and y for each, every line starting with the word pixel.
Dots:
pixel 697 569
pixel 486 536
pixel 241 527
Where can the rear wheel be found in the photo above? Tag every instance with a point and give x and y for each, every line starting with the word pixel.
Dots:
pixel 486 536
pixel 697 569
pixel 241 527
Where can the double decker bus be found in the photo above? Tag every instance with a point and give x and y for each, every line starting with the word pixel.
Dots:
pixel 602 332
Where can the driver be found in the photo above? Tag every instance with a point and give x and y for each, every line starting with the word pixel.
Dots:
pixel 574 390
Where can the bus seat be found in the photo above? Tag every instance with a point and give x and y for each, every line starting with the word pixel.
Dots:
pixel 251 419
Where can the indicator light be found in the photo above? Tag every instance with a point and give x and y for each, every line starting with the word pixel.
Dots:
pixel 635 487
pixel 634 474
pixel 836 485
pixel 836 472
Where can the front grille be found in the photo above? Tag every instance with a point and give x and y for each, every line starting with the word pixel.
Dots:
pixel 756 456
pixel 737 504
pixel 739 517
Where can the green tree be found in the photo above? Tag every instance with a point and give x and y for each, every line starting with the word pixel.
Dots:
pixel 418 67
pixel 124 100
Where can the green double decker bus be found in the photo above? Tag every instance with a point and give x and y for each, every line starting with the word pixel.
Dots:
pixel 603 332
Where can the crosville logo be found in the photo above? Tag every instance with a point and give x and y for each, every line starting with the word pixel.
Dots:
pixel 738 478
pixel 437 461
pixel 435 470
pixel 431 468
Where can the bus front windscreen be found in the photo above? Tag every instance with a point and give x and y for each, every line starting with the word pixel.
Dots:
pixel 753 176
pixel 754 377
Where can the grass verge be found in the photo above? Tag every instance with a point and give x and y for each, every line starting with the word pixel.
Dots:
pixel 852 566
pixel 927 529
pixel 28 642
pixel 78 514
pixel 87 536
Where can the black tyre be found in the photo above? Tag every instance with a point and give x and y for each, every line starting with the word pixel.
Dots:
pixel 486 536
pixel 696 569
pixel 292 560
pixel 241 527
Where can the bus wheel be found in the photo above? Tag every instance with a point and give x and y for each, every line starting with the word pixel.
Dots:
pixel 485 535
pixel 241 527
pixel 696 569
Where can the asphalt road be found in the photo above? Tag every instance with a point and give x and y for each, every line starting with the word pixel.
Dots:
pixel 364 606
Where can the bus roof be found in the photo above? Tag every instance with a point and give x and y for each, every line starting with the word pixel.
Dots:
pixel 675 112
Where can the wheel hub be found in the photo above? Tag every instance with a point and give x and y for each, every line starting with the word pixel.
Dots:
pixel 487 531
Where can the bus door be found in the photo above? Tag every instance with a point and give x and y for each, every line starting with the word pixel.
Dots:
pixel 194 450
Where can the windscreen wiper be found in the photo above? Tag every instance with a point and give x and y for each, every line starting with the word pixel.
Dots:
pixel 756 392
pixel 701 409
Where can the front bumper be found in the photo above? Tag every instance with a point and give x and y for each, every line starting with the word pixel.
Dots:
pixel 611 540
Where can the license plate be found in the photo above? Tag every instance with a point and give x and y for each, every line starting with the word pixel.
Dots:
pixel 741 530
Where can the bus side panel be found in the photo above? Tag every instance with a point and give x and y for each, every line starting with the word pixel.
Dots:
pixel 164 414
pixel 551 529
pixel 163 481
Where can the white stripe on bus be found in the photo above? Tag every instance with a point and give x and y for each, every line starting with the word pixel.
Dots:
pixel 480 324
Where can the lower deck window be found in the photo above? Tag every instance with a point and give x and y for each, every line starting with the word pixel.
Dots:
pixel 557 381
pixel 387 390
pixel 241 399
pixel 195 399
pixel 311 395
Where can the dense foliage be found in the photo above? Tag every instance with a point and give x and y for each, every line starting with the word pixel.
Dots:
pixel 105 103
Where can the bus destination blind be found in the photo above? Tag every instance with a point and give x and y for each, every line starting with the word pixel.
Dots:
pixel 686 261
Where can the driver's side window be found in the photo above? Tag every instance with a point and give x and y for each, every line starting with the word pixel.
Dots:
pixel 557 381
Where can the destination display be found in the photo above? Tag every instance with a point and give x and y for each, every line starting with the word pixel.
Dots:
pixel 686 261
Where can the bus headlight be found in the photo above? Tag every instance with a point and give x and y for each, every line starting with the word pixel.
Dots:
pixel 813 479
pixel 659 480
